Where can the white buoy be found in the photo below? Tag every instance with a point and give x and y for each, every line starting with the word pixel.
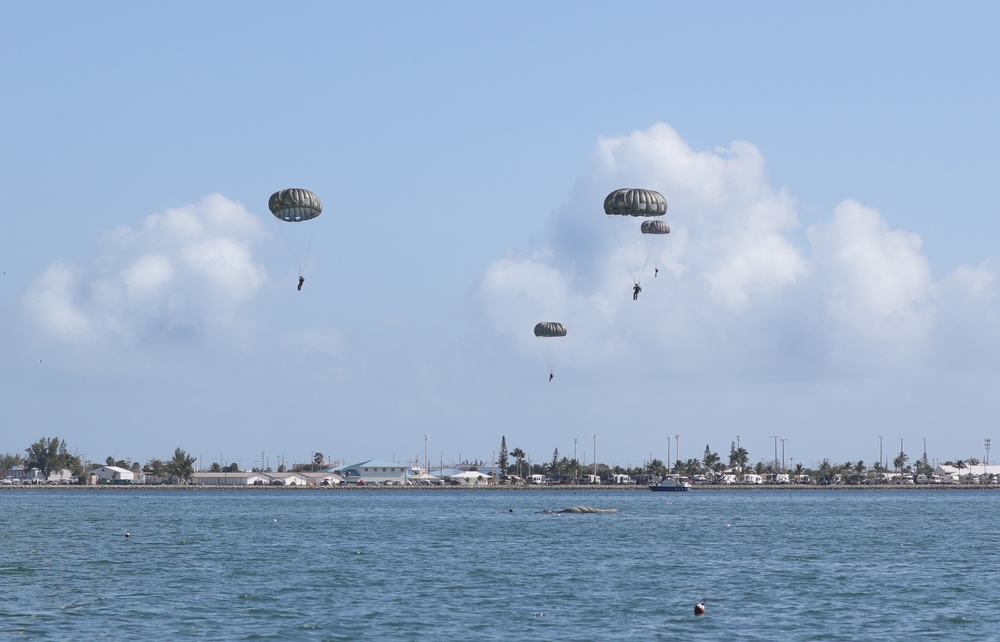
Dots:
pixel 699 608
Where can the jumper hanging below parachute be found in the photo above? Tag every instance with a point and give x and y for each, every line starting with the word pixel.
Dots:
pixel 637 242
pixel 295 210
pixel 548 330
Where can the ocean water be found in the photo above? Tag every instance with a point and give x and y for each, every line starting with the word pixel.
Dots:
pixel 488 565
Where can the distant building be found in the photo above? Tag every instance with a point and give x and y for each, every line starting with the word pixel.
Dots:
pixel 34 476
pixel 113 474
pixel 372 471
pixel 238 478
pixel 970 473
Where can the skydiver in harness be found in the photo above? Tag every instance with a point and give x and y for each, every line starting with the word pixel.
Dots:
pixel 656 272
pixel 635 292
pixel 302 280
pixel 550 376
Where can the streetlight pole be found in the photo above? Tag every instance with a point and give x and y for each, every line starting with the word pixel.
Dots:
pixel 427 465
pixel 880 450
pixel 987 443
pixel 775 438
pixel 783 440
pixel 677 440
pixel 595 454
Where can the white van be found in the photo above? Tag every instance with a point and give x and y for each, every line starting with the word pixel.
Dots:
pixel 537 479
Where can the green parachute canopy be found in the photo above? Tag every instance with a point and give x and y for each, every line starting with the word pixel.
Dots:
pixel 633 201
pixel 295 205
pixel 654 227
pixel 637 242
pixel 549 329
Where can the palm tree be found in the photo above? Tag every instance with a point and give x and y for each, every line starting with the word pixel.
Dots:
pixel 710 459
pixel 518 456
pixel 181 467
pixel 900 462
pixel 960 465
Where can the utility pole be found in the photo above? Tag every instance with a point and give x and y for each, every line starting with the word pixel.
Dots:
pixel 595 454
pixel 783 440
pixel 427 465
pixel 775 438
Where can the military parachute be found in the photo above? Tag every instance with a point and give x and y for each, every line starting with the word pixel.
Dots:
pixel 637 241
pixel 296 210
pixel 547 331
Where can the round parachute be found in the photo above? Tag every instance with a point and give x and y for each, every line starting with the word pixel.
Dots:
pixel 549 329
pixel 295 205
pixel 635 202
pixel 550 349
pixel 654 227
pixel 622 207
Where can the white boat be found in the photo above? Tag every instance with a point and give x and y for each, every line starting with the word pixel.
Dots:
pixel 674 483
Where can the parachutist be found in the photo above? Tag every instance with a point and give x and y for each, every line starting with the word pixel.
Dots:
pixel 656 272
pixel 550 376
pixel 635 292
pixel 302 280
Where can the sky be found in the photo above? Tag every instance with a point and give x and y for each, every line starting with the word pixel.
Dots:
pixel 831 275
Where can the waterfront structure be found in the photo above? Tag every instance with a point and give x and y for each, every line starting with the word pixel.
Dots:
pixel 113 474
pixel 372 471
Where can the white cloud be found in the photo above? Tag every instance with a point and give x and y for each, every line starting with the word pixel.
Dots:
pixel 740 286
pixel 875 280
pixel 181 274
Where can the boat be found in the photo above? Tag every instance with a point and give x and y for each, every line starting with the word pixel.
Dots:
pixel 673 483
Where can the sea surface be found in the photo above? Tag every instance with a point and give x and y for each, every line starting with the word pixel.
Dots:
pixel 489 565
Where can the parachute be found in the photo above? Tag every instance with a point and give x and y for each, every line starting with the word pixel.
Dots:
pixel 549 329
pixel 295 210
pixel 546 331
pixel 654 227
pixel 623 206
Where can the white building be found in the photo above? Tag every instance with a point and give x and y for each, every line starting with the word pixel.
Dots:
pixel 22 475
pixel 113 474
pixel 969 474
pixel 471 478
pixel 239 478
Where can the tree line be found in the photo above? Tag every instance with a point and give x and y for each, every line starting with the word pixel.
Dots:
pixel 50 455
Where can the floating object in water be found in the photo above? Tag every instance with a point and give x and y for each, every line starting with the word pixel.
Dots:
pixel 582 509
pixel 128 535
pixel 699 608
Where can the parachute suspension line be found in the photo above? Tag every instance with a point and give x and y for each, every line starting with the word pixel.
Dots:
pixel 288 236
pixel 618 239
pixel 312 235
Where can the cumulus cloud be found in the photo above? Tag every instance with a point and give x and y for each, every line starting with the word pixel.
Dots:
pixel 739 282
pixel 876 282
pixel 180 275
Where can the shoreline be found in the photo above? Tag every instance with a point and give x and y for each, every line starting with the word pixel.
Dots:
pixel 524 488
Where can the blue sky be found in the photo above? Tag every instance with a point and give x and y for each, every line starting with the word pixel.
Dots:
pixel 831 275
